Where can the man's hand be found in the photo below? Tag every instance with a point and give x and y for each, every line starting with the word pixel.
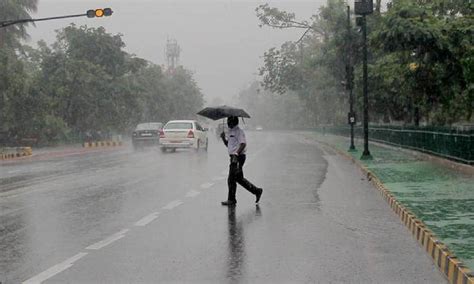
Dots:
pixel 234 159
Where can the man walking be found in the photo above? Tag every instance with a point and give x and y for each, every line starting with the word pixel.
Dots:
pixel 236 145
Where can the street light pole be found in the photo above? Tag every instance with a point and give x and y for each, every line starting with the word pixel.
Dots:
pixel 350 80
pixel 366 154
pixel 363 8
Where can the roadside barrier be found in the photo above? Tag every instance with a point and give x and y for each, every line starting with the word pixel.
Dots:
pixel 449 143
pixel 12 153
pixel 106 143
pixel 452 268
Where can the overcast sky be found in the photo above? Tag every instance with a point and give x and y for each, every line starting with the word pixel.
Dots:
pixel 220 39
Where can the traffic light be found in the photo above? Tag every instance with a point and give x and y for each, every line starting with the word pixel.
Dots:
pixel 99 13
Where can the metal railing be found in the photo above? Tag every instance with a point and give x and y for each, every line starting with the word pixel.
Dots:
pixel 452 143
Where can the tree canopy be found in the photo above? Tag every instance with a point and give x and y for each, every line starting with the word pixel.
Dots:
pixel 85 82
pixel 420 61
pixel 14 10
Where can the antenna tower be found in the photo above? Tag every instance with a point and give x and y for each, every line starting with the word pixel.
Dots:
pixel 172 53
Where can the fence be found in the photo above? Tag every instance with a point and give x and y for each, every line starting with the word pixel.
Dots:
pixel 451 143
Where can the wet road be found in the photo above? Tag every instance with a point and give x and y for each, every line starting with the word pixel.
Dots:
pixel 147 217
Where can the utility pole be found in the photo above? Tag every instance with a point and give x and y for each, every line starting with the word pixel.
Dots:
pixel 350 80
pixel 363 8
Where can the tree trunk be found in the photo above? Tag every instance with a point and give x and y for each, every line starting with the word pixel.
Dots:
pixel 378 3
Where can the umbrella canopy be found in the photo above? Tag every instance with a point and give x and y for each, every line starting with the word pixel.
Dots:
pixel 224 111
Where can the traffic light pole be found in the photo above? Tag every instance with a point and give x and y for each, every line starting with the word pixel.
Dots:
pixel 4 24
pixel 90 14
pixel 366 154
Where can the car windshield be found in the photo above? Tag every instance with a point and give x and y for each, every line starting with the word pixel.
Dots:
pixel 179 125
pixel 149 126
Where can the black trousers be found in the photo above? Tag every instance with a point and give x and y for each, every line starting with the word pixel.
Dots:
pixel 236 175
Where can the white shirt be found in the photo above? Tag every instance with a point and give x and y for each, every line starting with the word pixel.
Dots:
pixel 235 137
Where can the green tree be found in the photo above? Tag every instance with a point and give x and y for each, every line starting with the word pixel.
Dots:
pixel 420 61
pixel 183 94
pixel 312 67
pixel 85 82
pixel 13 10
pixel 421 56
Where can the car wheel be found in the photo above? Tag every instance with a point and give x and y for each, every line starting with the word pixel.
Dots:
pixel 197 146
pixel 207 145
pixel 163 150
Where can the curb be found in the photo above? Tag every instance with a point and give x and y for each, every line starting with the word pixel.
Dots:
pixel 451 267
pixel 19 152
pixel 102 144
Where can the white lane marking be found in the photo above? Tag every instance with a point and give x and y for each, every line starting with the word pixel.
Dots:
pixel 109 240
pixel 173 204
pixel 58 268
pixel 192 193
pixel 147 219
pixel 207 185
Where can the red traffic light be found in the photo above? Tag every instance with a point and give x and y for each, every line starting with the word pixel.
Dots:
pixel 99 13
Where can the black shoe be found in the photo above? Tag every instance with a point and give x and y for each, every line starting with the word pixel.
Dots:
pixel 229 202
pixel 258 194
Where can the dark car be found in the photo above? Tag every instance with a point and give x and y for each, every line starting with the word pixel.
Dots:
pixel 146 134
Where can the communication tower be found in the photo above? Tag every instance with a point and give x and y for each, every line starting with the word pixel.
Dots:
pixel 172 53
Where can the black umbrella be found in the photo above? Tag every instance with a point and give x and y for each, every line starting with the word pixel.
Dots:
pixel 224 111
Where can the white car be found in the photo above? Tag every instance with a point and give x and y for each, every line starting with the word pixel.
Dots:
pixel 183 134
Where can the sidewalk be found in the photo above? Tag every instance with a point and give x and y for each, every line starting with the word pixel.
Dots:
pixel 438 195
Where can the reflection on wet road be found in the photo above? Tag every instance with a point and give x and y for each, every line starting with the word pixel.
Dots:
pixel 236 258
pixel 147 217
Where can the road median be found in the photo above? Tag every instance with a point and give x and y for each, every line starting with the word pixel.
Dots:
pixel 105 143
pixel 15 152
pixel 433 201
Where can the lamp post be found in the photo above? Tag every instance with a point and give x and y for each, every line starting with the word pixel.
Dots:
pixel 363 8
pixel 350 80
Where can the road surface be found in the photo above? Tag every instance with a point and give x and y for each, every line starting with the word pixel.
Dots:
pixel 119 216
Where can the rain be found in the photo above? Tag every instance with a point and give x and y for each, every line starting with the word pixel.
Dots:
pixel 236 141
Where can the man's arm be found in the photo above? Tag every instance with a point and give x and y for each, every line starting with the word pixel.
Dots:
pixel 241 148
pixel 223 139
